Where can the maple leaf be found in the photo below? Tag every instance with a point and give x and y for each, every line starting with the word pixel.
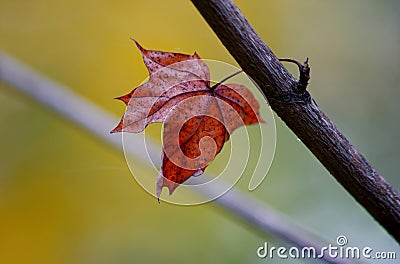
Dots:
pixel 198 118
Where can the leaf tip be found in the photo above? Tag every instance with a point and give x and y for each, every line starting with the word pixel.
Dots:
pixel 124 98
pixel 159 184
pixel 164 182
pixel 134 40
pixel 114 131
pixel 138 45
pixel 195 55
pixel 118 128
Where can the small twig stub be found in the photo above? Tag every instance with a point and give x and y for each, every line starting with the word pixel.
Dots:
pixel 299 95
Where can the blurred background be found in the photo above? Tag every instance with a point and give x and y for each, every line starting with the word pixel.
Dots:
pixel 67 198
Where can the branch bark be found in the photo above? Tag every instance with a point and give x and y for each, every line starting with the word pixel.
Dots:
pixel 305 119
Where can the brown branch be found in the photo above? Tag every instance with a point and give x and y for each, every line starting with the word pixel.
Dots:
pixel 303 116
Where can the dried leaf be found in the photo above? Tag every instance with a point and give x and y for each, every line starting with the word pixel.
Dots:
pixel 198 118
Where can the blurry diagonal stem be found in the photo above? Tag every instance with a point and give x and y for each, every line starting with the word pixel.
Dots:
pixel 305 119
pixel 64 102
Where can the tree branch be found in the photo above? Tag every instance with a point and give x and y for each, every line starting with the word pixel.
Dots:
pixel 305 119
pixel 60 100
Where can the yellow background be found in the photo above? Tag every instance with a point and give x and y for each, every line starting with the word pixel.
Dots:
pixel 67 198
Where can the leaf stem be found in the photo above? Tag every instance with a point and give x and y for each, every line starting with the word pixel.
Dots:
pixel 223 80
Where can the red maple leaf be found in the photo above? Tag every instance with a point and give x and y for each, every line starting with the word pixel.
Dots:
pixel 198 117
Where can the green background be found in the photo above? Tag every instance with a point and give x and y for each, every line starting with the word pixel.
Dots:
pixel 66 198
